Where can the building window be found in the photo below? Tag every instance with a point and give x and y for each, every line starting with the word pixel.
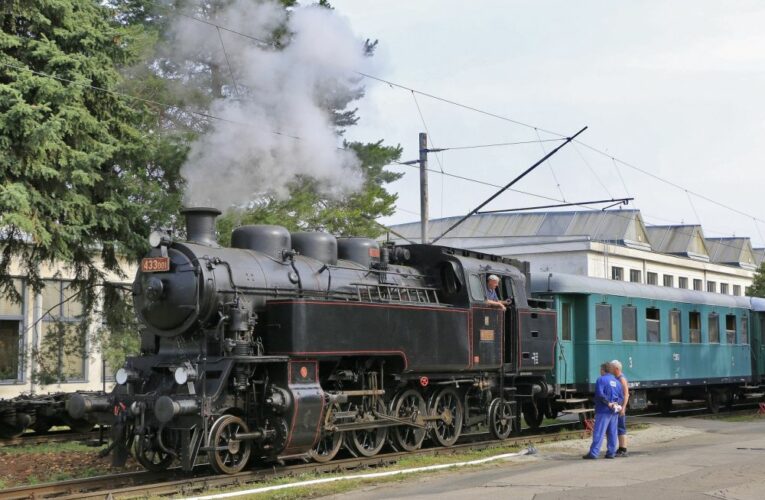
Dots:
pixel 712 286
pixel 730 328
pixel 652 278
pixel 11 336
pixel 724 288
pixel 674 325
pixel 744 337
pixel 652 324
pixel 617 273
pixel 682 282
pixel 62 348
pixel 714 328
pixel 603 322
pixel 697 285
pixel 566 321
pixel 635 276
pixel 629 323
pixel 694 327
pixel 669 280
pixel 737 290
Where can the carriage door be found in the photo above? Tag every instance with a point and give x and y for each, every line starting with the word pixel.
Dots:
pixel 487 328
pixel 565 361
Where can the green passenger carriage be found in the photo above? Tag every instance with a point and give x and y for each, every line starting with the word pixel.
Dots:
pixel 673 343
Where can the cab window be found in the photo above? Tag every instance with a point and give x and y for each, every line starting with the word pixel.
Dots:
pixel 477 288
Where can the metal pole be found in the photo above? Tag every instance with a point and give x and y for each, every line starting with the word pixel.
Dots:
pixel 509 185
pixel 423 188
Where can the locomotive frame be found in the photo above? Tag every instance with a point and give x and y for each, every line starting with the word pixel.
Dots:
pixel 276 348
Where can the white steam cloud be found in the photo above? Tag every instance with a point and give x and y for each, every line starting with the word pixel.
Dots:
pixel 240 158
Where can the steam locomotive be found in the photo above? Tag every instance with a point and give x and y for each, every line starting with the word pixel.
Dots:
pixel 299 344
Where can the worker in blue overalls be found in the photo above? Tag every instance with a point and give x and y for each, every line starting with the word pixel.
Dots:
pixel 608 400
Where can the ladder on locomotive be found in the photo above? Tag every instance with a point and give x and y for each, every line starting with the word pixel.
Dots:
pixel 384 292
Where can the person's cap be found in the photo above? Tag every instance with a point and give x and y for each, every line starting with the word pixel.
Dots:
pixel 493 277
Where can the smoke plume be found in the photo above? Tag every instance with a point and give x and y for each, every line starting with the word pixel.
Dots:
pixel 274 121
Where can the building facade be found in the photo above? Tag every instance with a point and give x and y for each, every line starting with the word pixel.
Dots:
pixel 614 244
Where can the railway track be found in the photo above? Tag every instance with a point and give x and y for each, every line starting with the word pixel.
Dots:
pixel 61 436
pixel 175 482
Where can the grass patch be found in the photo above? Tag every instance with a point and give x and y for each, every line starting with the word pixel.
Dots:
pixel 69 447
pixel 337 487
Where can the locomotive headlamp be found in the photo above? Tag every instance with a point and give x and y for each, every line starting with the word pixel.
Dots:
pixel 185 374
pixel 125 375
pixel 157 238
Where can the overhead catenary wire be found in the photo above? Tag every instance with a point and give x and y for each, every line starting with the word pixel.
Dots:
pixel 397 85
pixel 493 115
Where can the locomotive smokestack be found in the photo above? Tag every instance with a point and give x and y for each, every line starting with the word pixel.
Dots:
pixel 200 224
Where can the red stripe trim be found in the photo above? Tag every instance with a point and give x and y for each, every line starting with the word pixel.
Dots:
pixel 314 353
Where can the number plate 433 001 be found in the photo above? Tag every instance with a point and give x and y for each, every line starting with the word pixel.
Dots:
pixel 155 264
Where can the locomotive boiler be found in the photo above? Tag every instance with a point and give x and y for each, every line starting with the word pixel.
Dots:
pixel 300 344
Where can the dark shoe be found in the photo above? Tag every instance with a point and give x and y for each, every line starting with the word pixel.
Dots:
pixel 610 456
pixel 589 457
pixel 622 452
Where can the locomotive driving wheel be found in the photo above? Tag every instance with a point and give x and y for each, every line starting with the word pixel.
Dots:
pixel 501 418
pixel 228 455
pixel 148 453
pixel 329 443
pixel 409 406
pixel 447 405
pixel 368 442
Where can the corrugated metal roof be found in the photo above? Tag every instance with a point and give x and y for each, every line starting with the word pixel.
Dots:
pixel 759 256
pixel 735 251
pixel 685 240
pixel 608 225
pixel 573 283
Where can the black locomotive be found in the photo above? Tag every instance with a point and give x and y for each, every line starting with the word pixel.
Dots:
pixel 298 344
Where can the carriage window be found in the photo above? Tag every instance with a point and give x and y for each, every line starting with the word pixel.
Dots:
pixel 730 328
pixel 744 337
pixel 714 328
pixel 694 326
pixel 477 288
pixel 565 313
pixel 629 323
pixel 653 328
pixel 674 326
pixel 603 322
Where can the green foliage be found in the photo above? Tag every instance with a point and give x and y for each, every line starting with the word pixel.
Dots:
pixel 84 173
pixel 307 210
pixel 758 283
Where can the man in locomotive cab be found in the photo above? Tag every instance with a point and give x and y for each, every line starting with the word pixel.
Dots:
pixel 492 294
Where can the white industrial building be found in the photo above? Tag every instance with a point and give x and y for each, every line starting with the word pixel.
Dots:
pixel 613 244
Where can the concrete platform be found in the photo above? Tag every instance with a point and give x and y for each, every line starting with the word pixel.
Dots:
pixel 678 458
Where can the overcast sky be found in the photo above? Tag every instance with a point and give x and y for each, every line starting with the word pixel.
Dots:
pixel 674 88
